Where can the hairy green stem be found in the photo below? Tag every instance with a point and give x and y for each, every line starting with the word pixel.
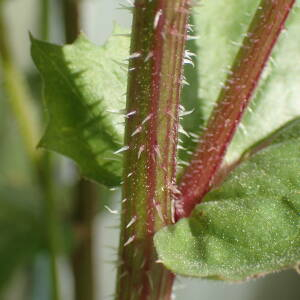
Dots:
pixel 264 30
pixel 159 33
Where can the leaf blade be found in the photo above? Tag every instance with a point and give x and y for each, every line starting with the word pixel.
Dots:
pixel 83 82
pixel 249 226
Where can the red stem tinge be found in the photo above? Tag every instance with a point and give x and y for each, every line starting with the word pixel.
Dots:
pixel 257 46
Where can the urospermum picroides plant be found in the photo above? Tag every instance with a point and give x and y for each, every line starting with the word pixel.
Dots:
pixel 177 152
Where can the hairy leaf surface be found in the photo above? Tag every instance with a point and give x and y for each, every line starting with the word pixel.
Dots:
pixel 84 94
pixel 249 226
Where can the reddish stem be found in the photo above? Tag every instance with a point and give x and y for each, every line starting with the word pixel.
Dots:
pixel 264 30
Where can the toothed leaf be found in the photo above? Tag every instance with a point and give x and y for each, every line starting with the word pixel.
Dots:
pixel 249 226
pixel 221 27
pixel 84 85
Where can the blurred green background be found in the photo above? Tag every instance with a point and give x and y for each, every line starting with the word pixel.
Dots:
pixel 68 232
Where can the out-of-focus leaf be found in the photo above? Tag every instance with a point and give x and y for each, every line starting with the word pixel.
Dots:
pixel 221 26
pixel 249 226
pixel 84 90
pixel 20 229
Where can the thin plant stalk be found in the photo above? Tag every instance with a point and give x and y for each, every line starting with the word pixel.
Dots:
pixel 86 193
pixel 45 173
pixel 85 208
pixel 71 11
pixel 47 180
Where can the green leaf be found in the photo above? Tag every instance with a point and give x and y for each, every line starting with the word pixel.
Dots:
pixel 20 229
pixel 221 26
pixel 249 226
pixel 84 88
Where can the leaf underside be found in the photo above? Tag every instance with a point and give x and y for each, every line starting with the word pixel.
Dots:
pixel 84 91
pixel 249 226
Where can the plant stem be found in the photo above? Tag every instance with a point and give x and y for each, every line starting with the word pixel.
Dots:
pixel 51 220
pixel 264 30
pixel 72 19
pixel 82 258
pixel 87 194
pixel 157 52
pixel 46 177
pixel 45 16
